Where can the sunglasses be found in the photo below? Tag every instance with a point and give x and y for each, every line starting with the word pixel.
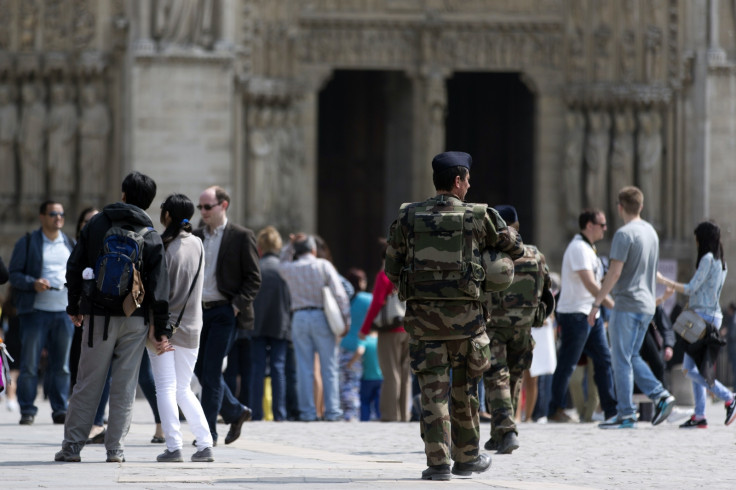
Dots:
pixel 602 225
pixel 55 214
pixel 207 207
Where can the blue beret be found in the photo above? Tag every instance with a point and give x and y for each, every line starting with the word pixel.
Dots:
pixel 450 159
pixel 507 212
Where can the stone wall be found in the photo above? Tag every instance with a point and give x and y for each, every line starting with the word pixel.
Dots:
pixel 182 124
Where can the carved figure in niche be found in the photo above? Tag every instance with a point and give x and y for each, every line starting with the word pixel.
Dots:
pixel 622 153
pixel 261 149
pixel 649 169
pixel 574 137
pixel 437 102
pixel 32 138
pixel 596 158
pixel 8 137
pixel 653 48
pixel 283 164
pixel 62 129
pixel 184 22
pixel 94 130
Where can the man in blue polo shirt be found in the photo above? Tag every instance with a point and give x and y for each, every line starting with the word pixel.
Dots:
pixel 38 274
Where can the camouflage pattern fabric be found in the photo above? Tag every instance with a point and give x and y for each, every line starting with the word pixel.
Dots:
pixel 520 304
pixel 513 313
pixel 437 269
pixel 511 354
pixel 442 288
pixel 440 424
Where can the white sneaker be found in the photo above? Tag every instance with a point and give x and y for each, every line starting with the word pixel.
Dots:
pixel 13 406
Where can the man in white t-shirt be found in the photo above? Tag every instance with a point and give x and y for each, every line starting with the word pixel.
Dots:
pixel 582 272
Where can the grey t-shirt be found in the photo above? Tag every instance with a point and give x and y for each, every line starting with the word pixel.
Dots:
pixel 636 244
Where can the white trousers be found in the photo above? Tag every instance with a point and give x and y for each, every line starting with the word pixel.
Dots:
pixel 172 372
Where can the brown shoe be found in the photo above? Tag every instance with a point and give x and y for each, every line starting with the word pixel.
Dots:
pixel 236 426
pixel 560 417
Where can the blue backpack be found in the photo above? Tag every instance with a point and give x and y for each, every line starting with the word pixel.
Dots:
pixel 117 269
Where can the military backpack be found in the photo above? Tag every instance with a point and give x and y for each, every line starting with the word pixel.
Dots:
pixel 443 260
pixel 521 303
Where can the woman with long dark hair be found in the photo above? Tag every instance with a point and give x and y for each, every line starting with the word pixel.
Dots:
pixel 173 361
pixel 704 292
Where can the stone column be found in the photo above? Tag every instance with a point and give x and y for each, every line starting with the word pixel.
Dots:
pixel 228 11
pixel 428 129
pixel 716 54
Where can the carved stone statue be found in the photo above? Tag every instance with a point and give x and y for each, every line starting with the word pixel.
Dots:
pixel 596 159
pixel 574 137
pixel 8 138
pixel 649 155
pixel 622 154
pixel 62 149
pixel 94 129
pixel 32 139
pixel 261 149
pixel 184 22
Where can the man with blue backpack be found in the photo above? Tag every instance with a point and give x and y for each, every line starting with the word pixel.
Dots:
pixel 117 286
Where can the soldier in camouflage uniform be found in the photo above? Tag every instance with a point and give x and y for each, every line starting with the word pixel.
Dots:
pixel 525 304
pixel 434 259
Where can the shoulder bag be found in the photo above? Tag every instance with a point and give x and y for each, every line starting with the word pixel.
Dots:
pixel 690 326
pixel 332 311
pixel 391 315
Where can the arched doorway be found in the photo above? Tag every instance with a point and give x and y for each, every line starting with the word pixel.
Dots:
pixel 491 116
pixel 364 154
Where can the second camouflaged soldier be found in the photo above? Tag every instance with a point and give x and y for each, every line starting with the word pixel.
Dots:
pixel 434 259
pixel 525 304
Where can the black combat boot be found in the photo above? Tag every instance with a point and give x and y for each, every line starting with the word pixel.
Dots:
pixel 437 472
pixel 509 444
pixel 481 464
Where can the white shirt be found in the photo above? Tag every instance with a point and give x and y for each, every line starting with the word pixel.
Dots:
pixel 574 296
pixel 55 256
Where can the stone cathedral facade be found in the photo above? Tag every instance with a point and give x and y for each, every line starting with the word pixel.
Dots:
pixel 323 115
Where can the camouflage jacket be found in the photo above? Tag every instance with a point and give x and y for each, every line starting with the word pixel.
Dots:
pixel 436 307
pixel 521 304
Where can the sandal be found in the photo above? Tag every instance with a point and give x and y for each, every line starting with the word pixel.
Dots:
pixel 157 440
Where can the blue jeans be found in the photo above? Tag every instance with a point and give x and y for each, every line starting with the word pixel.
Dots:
pixel 700 385
pixel 576 338
pixel 277 365
pixel 626 331
pixel 53 330
pixel 310 333
pixel 370 393
pixel 218 335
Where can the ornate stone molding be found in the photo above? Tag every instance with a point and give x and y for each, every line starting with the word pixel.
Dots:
pixel 182 55
pixel 270 90
pixel 610 95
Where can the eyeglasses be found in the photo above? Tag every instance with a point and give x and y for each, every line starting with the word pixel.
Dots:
pixel 207 207
pixel 54 214
pixel 602 225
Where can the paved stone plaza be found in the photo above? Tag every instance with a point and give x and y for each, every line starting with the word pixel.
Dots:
pixel 379 455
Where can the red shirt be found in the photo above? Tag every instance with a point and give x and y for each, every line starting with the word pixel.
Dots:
pixel 381 290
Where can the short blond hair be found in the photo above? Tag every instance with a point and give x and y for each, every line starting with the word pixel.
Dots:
pixel 631 199
pixel 269 240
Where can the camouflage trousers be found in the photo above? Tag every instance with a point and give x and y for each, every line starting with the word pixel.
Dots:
pixel 448 372
pixel 511 354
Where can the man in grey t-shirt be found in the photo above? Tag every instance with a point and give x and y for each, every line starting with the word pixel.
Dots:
pixel 631 279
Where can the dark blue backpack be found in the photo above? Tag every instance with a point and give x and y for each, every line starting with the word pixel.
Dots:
pixel 117 275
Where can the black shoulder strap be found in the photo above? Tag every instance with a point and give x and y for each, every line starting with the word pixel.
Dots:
pixel 191 288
